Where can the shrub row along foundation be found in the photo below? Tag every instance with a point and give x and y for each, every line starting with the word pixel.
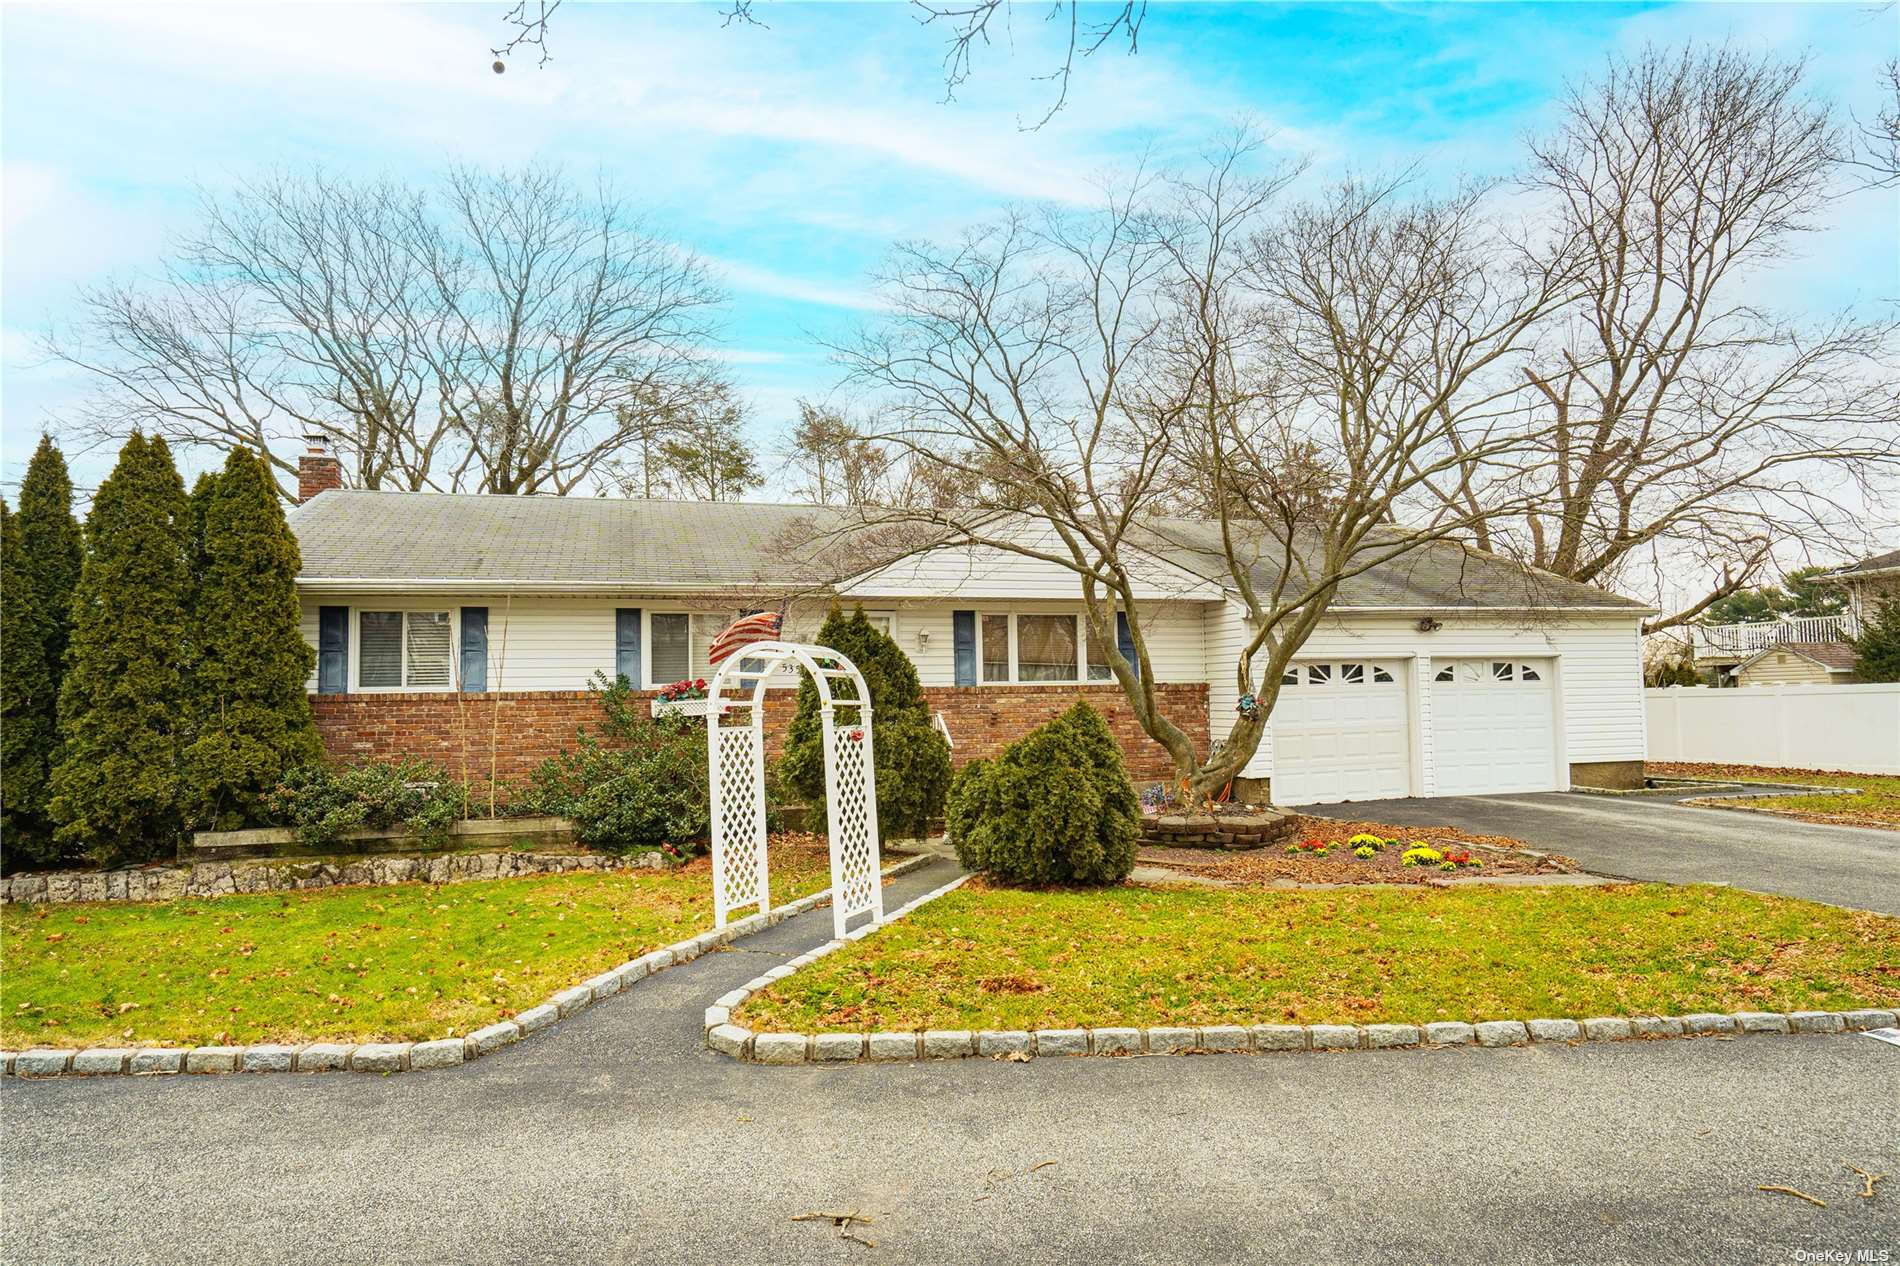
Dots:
pixel 400 1057
pixel 736 1040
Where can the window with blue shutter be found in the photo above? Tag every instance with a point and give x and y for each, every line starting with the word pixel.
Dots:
pixel 333 650
pixel 963 643
pixel 1125 642
pixel 474 648
pixel 627 644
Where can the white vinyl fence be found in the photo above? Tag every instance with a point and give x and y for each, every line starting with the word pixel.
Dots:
pixel 1855 728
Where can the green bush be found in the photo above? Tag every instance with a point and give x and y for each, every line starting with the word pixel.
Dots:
pixel 645 787
pixel 324 801
pixel 911 757
pixel 1055 808
pixel 1879 645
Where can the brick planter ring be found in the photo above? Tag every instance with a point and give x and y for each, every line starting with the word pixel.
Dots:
pixel 735 1040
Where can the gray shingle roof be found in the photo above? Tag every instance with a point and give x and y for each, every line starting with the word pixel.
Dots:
pixel 563 542
pixel 1879 562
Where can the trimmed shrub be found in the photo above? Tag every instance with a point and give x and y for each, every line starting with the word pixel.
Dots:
pixel 324 801
pixel 1056 807
pixel 645 787
pixel 911 757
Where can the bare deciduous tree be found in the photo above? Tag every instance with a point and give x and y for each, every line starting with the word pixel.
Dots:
pixel 563 318
pixel 1677 418
pixel 833 461
pixel 1071 377
pixel 509 335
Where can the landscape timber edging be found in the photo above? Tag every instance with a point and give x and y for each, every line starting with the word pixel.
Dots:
pixel 740 1042
pixel 398 1057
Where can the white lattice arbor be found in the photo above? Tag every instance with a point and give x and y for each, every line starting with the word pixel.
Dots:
pixel 735 754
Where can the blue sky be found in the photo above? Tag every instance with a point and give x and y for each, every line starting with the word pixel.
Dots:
pixel 793 155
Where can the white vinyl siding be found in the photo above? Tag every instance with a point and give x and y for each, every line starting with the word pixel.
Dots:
pixel 1596 671
pixel 559 643
pixel 1785 668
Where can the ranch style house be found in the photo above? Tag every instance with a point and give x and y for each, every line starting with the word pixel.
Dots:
pixel 465 629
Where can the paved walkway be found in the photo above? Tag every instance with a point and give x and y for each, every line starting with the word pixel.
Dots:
pixel 615 1137
pixel 1647 837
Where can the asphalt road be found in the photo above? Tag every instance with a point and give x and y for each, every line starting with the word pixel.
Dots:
pixel 1645 837
pixel 615 1138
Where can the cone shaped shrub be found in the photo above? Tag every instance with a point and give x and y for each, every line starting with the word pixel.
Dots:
pixel 115 786
pixel 1056 807
pixel 36 596
pixel 27 700
pixel 912 758
pixel 251 719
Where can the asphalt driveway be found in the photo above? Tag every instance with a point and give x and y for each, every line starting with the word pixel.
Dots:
pixel 616 1137
pixel 1648 837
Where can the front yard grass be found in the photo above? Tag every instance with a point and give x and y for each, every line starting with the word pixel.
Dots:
pixel 987 957
pixel 1876 802
pixel 399 962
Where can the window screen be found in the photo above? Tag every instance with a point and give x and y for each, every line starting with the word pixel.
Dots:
pixel 1098 656
pixel 671 656
pixel 428 648
pixel 1045 648
pixel 379 649
pixel 995 648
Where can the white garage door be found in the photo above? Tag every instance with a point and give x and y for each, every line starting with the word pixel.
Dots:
pixel 1339 733
pixel 1494 726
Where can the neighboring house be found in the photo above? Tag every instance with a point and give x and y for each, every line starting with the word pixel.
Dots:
pixel 1869 583
pixel 465 629
pixel 1808 650
pixel 1798 664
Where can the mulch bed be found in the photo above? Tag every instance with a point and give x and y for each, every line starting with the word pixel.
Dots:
pixel 1744 773
pixel 1339 866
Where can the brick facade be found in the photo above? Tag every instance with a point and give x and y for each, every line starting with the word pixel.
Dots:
pixel 517 730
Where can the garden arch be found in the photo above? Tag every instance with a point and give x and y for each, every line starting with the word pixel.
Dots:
pixel 735 754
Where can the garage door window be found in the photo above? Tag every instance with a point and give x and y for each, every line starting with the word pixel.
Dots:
pixel 1346 674
pixel 1499 671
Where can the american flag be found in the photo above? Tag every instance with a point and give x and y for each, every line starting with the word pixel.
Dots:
pixel 762 626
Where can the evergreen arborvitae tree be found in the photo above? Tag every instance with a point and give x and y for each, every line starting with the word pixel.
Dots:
pixel 912 758
pixel 1879 645
pixel 50 538
pixel 116 787
pixel 28 697
pixel 250 715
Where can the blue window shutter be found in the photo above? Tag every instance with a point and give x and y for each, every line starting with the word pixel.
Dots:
pixel 1125 642
pixel 627 644
pixel 963 642
pixel 333 650
pixel 475 648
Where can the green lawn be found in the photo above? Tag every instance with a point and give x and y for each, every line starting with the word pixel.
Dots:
pixel 1877 801
pixel 997 958
pixel 398 962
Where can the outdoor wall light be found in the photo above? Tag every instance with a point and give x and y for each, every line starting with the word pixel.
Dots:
pixel 1429 625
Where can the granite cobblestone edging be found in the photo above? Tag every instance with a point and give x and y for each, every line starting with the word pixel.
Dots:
pixel 740 1042
pixel 398 1057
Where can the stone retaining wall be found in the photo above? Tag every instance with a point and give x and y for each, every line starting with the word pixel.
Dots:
pixel 1209 830
pixel 218 879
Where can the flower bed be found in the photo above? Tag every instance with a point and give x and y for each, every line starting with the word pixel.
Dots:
pixel 1330 851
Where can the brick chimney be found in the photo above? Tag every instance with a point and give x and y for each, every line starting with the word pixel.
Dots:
pixel 318 469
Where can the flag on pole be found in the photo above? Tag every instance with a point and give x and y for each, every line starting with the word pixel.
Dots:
pixel 762 626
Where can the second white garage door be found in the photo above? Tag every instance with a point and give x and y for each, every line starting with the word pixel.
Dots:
pixel 1494 727
pixel 1339 733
